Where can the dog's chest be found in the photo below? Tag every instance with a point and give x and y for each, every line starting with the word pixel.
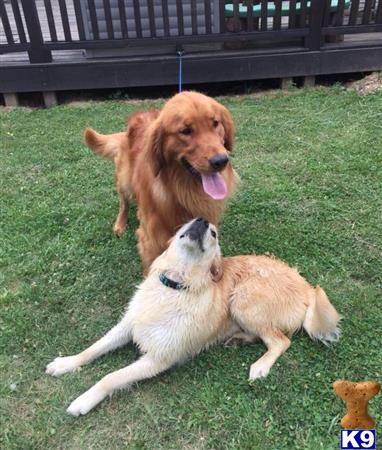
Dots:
pixel 173 324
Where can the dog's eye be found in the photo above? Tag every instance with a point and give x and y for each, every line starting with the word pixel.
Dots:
pixel 186 131
pixel 215 123
pixel 181 236
pixel 213 233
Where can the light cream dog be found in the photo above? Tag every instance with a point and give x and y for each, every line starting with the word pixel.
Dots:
pixel 180 309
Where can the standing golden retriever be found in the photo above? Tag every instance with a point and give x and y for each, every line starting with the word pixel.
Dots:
pixel 175 163
pixel 179 310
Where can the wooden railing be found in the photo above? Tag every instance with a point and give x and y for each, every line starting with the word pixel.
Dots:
pixel 40 26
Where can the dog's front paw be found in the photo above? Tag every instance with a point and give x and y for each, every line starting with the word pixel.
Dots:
pixel 258 370
pixel 119 229
pixel 62 365
pixel 86 402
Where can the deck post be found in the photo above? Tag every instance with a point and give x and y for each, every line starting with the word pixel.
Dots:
pixel 309 81
pixel 286 83
pixel 314 40
pixel 11 99
pixel 50 99
pixel 37 52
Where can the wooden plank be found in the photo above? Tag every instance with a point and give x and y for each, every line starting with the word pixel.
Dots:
pixel 166 22
pixel 50 99
pixel 303 12
pixel 339 14
pixel 18 21
pixel 201 68
pixel 65 20
pixel 261 36
pixel 378 17
pixel 79 20
pixel 367 12
pixel 326 12
pixel 286 83
pixel 222 18
pixel 277 17
pixel 315 39
pixel 11 99
pixel 179 15
pixel 236 18
pixel 309 82
pixel 249 4
pixel 137 17
pixel 292 14
pixel 194 18
pixel 122 18
pixel 347 29
pixel 6 24
pixel 108 19
pixel 264 15
pixel 93 19
pixel 353 12
pixel 51 24
pixel 37 51
pixel 151 12
pixel 207 15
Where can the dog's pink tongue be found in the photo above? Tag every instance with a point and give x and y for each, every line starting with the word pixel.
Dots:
pixel 214 185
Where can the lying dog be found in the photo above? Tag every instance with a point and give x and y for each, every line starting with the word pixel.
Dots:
pixel 179 310
pixel 175 163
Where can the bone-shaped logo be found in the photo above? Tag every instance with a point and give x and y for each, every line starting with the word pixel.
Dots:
pixel 357 395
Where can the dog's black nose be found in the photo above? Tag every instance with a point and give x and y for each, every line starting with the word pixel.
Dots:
pixel 197 229
pixel 218 162
pixel 204 221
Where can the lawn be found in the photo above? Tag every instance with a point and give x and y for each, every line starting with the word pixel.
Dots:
pixel 311 193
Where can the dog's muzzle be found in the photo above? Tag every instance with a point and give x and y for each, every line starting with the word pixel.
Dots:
pixel 197 229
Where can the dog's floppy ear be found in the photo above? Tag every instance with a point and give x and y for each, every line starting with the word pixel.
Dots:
pixel 154 149
pixel 217 269
pixel 229 128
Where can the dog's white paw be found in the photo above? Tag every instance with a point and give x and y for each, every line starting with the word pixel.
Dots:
pixel 86 402
pixel 258 370
pixel 62 365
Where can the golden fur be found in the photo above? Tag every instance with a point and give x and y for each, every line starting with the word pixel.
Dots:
pixel 256 297
pixel 149 159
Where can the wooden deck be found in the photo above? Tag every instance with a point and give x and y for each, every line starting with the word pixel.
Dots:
pixel 76 55
pixel 62 56
pixel 277 49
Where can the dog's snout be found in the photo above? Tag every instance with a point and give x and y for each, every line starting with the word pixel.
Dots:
pixel 204 221
pixel 197 229
pixel 218 162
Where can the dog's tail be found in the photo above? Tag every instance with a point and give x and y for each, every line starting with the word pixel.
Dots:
pixel 321 320
pixel 106 145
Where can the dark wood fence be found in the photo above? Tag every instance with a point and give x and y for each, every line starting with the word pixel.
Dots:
pixel 251 20
pixel 56 45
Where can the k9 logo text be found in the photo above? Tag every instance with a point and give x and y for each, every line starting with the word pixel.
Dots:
pixel 351 439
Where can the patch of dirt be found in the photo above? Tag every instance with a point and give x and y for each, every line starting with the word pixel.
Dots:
pixel 368 85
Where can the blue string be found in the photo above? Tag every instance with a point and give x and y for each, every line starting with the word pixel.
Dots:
pixel 180 68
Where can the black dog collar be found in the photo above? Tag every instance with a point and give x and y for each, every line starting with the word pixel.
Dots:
pixel 171 283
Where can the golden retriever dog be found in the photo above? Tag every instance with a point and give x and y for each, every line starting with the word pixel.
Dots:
pixel 175 163
pixel 179 310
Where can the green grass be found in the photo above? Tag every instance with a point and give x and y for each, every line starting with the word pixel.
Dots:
pixel 311 193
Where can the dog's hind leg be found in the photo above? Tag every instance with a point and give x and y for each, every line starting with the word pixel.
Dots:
pixel 238 338
pixel 115 338
pixel 123 213
pixel 277 343
pixel 145 367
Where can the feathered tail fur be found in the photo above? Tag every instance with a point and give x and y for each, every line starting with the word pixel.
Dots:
pixel 321 320
pixel 107 146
